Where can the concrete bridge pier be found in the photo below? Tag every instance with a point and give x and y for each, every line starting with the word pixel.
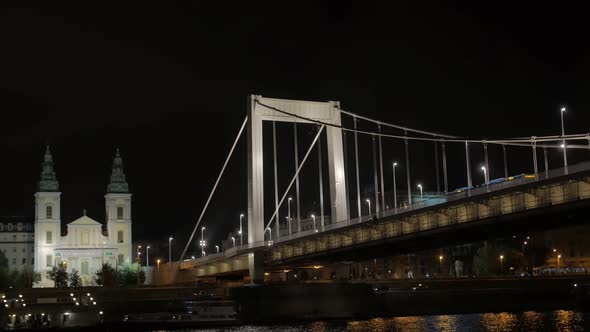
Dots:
pixel 256 267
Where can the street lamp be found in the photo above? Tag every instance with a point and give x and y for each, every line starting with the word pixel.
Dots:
pixel 217 248
pixel 233 239
pixel 202 239
pixel 369 203
pixel 440 259
pixel 170 249
pixel 269 235
pixel 394 188
pixel 289 213
pixel 139 255
pixel 558 258
pixel 240 231
pixel 421 193
pixel 563 145
pixel 147 256
pixel 313 218
pixel 485 175
pixel 501 263
pixel 158 262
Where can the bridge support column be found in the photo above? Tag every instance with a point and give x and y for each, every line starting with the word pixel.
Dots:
pixel 256 267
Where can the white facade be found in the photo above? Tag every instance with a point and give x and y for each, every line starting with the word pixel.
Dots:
pixel 87 244
pixel 16 242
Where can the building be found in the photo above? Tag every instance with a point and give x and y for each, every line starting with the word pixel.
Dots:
pixel 16 242
pixel 87 243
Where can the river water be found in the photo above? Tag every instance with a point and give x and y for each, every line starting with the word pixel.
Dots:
pixel 560 320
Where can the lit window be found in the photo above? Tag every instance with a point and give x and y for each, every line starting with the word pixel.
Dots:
pixel 49 260
pixel 49 237
pixel 119 212
pixel 49 212
pixel 120 237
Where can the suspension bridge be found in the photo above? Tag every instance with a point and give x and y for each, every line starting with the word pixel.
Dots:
pixel 362 226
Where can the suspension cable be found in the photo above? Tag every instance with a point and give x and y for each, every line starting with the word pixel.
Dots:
pixel 214 188
pixel 513 142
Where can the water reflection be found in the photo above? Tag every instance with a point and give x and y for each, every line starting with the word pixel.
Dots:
pixel 560 320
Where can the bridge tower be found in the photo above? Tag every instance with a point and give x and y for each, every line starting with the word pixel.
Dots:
pixel 327 112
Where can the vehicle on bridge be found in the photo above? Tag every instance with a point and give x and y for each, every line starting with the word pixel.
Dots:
pixel 494 182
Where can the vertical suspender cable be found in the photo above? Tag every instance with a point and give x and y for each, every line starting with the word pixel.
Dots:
pixel 436 167
pixel 535 167
pixel 296 173
pixel 486 160
pixel 375 176
pixel 505 161
pixel 356 159
pixel 546 163
pixel 408 172
pixel 345 146
pixel 381 172
pixel 298 210
pixel 444 160
pixel 321 177
pixel 468 168
pixel 276 175
pixel 231 151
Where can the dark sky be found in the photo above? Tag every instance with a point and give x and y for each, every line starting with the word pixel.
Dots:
pixel 168 83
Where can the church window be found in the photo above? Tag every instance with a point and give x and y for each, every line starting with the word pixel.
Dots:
pixel 19 227
pixel 24 249
pixel 24 261
pixel 9 227
pixel 49 260
pixel 120 237
pixel 14 261
pixel 49 237
pixel 84 268
pixel 28 227
pixel 119 212
pixel 49 211
pixel 120 259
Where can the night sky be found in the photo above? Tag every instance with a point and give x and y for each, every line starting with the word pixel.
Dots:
pixel 168 85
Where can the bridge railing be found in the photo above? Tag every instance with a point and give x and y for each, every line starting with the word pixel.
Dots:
pixel 421 204
pixel 485 207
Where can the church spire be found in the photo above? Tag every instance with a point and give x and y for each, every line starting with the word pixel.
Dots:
pixel 118 183
pixel 48 181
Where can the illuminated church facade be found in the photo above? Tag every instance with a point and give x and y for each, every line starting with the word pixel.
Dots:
pixel 87 243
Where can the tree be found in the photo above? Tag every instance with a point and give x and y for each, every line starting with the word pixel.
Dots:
pixel 27 278
pixel 75 280
pixel 105 276
pixel 59 276
pixel 130 274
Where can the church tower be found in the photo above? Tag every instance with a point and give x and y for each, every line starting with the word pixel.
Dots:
pixel 47 217
pixel 118 210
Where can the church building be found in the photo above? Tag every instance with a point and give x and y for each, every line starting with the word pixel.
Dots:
pixel 87 243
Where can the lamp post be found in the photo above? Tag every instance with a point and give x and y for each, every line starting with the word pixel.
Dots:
pixel 558 258
pixel 440 259
pixel 203 240
pixel 170 250
pixel 241 231
pixel 421 193
pixel 269 235
pixel 485 175
pixel 501 264
pixel 139 255
pixel 313 218
pixel 369 203
pixel 563 145
pixel 147 256
pixel 233 239
pixel 394 188
pixel 217 248
pixel 158 263
pixel 289 213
